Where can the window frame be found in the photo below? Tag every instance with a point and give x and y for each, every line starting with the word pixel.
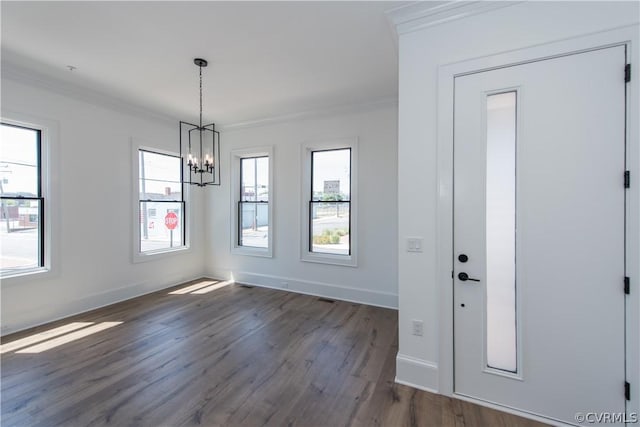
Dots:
pixel 137 254
pixel 306 194
pixel 236 188
pixel 48 195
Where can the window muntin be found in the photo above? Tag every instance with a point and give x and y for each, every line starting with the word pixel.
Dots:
pixel 161 202
pixel 22 202
pixel 253 203
pixel 330 204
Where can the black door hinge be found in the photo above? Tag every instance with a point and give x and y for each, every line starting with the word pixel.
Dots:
pixel 627 390
pixel 627 179
pixel 627 73
pixel 627 287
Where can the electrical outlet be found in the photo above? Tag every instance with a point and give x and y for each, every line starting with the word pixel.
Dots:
pixel 417 327
pixel 285 285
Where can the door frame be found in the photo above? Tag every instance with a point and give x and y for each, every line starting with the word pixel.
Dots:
pixel 627 36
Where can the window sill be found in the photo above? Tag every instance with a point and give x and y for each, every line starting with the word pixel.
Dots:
pixel 341 260
pixel 139 257
pixel 248 251
pixel 25 275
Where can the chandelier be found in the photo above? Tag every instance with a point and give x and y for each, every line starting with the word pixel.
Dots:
pixel 200 147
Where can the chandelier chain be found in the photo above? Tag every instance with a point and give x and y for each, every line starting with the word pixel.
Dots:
pixel 200 67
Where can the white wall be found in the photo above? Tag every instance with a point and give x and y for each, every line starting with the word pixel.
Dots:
pixel 421 53
pixel 92 179
pixel 374 280
pixel 92 246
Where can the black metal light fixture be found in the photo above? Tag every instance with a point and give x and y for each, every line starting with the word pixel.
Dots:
pixel 201 152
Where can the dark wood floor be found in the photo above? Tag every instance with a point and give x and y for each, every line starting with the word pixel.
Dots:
pixel 236 356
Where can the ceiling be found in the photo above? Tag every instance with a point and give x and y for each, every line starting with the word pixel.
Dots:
pixel 266 59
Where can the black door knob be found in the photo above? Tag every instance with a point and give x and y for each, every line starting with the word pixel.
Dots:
pixel 463 258
pixel 464 277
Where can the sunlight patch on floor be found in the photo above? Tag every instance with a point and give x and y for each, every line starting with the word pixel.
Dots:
pixel 42 336
pixel 212 288
pixel 194 287
pixel 56 342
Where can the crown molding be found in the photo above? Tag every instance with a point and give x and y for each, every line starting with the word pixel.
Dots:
pixel 424 14
pixel 30 77
pixel 315 113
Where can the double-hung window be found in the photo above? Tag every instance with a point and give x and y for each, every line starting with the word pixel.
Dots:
pixel 22 203
pixel 161 203
pixel 252 196
pixel 328 190
pixel 253 206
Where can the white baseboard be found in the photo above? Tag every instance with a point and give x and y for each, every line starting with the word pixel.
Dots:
pixel 53 312
pixel 417 373
pixel 326 290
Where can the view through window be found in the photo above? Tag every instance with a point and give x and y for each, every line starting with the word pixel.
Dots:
pixel 22 204
pixel 161 202
pixel 330 205
pixel 253 205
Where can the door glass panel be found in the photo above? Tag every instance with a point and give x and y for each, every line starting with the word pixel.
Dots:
pixel 501 231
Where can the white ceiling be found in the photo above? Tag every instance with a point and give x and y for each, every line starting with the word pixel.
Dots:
pixel 265 58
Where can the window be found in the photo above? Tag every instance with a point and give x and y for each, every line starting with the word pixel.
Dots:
pixel 329 207
pixel 253 206
pixel 252 197
pixel 328 191
pixel 161 203
pixel 22 202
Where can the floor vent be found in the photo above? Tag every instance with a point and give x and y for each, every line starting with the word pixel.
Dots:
pixel 330 301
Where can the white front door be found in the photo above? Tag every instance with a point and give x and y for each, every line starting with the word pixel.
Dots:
pixel 539 235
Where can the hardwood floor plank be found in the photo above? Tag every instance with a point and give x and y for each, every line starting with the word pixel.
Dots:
pixel 237 356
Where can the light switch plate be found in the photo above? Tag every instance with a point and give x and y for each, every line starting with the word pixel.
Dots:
pixel 414 244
